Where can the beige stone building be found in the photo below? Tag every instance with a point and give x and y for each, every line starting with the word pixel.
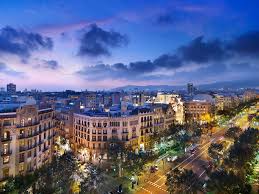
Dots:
pixel 94 133
pixel 196 111
pixel 27 138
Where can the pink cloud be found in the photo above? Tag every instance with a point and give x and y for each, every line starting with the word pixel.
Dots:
pixel 57 29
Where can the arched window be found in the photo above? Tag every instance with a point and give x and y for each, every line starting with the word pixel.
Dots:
pixel 22 122
pixel 6 134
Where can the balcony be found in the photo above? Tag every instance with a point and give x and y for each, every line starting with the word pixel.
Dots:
pixel 40 142
pixel 45 149
pixel 6 153
pixel 28 124
pixel 23 136
pixel 7 124
pixel 22 148
pixel 5 139
pixel 31 146
pixel 45 160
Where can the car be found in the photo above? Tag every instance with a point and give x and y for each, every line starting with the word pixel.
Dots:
pixel 193 151
pixel 172 158
pixel 156 167
pixel 153 169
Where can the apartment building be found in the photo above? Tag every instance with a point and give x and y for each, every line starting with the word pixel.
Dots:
pixel 249 95
pixel 27 139
pixel 164 117
pixel 226 101
pixel 95 131
pixel 195 111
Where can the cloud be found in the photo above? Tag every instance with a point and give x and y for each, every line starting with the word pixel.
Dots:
pixel 133 70
pixel 246 44
pixel 201 51
pixel 47 64
pixel 9 71
pixel 199 57
pixel 97 42
pixel 22 43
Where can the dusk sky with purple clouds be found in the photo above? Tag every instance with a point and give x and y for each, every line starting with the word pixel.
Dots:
pixel 58 45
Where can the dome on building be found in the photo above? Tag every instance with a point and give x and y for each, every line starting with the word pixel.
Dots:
pixel 204 97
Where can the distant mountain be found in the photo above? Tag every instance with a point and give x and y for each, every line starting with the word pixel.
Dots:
pixel 217 85
pixel 148 88
pixel 231 84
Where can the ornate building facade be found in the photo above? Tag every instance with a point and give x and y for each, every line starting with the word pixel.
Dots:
pixel 27 140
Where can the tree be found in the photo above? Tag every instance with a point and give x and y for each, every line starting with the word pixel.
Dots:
pixel 214 151
pixel 206 118
pixel 75 187
pixel 183 181
pixel 222 182
pixel 92 181
pixel 242 152
pixel 233 132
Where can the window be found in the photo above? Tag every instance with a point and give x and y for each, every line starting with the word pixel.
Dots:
pixel 29 121
pixel 6 159
pixel 22 133
pixel 99 138
pixel 105 131
pixel 22 122
pixel 21 157
pixel 29 154
pixel 6 134
pixel 5 172
pixel 21 168
pixel 5 148
pixel 94 138
pixel 104 138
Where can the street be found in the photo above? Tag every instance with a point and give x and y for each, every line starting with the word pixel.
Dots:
pixel 155 183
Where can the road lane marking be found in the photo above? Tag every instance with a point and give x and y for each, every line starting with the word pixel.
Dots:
pixel 194 158
pixel 146 190
pixel 157 186
pixel 202 173
pixel 195 181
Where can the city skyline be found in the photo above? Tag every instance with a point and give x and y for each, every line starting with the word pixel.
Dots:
pixel 78 45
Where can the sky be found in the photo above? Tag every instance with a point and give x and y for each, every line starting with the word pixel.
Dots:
pixel 98 44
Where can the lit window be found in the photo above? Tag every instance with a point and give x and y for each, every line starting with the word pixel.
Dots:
pixel 6 159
